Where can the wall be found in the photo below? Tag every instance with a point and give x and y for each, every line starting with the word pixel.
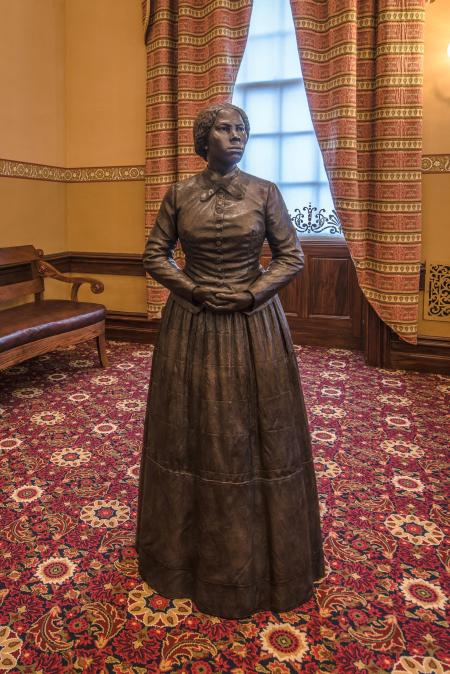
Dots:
pixel 72 93
pixel 32 120
pixel 72 78
pixel 105 126
pixel 436 141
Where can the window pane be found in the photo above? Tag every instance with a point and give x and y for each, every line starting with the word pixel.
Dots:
pixel 323 174
pixel 239 98
pixel 265 61
pixel 262 108
pixel 297 196
pixel 290 58
pixel 326 200
pixel 261 158
pixel 295 111
pixel 286 12
pixel 267 8
pixel 299 159
pixel 289 155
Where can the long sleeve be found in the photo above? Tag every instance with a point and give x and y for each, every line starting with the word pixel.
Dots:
pixel 158 257
pixel 287 256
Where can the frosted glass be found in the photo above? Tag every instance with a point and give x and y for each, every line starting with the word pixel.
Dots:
pixel 323 174
pixel 238 98
pixel 287 19
pixel 263 109
pixel 294 159
pixel 267 16
pixel 264 59
pixel 290 63
pixel 297 196
pixel 299 159
pixel 325 199
pixel 295 111
pixel 261 158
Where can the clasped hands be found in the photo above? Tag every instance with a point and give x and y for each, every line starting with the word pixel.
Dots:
pixel 222 301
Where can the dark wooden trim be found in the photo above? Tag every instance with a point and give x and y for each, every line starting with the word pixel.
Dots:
pixel 376 338
pixel 381 347
pixel 324 332
pixel 431 354
pixel 59 260
pixel 313 328
pixel 130 264
pixel 122 264
pixel 316 244
pixel 422 276
pixel 126 326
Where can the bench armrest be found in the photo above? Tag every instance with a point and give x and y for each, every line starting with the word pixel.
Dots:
pixel 47 270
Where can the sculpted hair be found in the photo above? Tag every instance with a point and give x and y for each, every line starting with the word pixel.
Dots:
pixel 205 120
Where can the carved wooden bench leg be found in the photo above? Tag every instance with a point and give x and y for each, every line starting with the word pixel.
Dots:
pixel 101 348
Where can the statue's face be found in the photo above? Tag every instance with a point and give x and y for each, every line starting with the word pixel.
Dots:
pixel 226 140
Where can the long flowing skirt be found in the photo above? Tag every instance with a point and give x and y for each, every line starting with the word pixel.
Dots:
pixel 228 510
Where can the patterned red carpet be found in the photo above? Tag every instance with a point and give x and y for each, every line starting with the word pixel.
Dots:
pixel 71 600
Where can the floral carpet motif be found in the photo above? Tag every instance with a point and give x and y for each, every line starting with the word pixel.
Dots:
pixel 71 599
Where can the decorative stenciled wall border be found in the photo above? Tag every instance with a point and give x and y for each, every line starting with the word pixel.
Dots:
pixel 431 163
pixel 90 174
pixel 436 163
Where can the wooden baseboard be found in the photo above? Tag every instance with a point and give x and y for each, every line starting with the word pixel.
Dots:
pixel 382 348
pixel 126 326
pixel 324 332
pixel 431 354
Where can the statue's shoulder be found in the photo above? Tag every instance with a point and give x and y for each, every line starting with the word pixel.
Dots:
pixel 188 183
pixel 254 181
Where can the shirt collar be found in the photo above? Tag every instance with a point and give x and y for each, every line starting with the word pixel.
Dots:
pixel 232 183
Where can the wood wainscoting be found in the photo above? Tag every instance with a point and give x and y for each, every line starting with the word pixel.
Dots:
pixel 383 348
pixel 324 307
pixel 323 304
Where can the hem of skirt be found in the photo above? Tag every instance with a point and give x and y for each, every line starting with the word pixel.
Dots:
pixel 243 479
pixel 232 602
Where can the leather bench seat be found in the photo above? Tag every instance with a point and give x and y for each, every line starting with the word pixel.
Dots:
pixel 36 320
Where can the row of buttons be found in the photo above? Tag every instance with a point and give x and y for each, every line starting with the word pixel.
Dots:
pixel 220 204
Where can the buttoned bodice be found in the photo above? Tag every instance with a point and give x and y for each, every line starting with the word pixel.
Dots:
pixel 222 224
pixel 220 231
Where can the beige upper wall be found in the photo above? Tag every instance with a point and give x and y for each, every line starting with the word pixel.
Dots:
pixel 105 83
pixel 32 81
pixel 436 109
pixel 436 140
pixel 72 92
pixel 33 212
pixel 72 76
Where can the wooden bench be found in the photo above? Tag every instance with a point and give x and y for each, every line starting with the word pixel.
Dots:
pixel 34 328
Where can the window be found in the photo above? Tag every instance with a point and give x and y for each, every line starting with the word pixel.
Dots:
pixel 282 147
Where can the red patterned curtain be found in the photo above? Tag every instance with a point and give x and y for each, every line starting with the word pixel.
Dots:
pixel 194 50
pixel 362 63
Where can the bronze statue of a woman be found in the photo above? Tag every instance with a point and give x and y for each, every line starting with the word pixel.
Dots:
pixel 228 510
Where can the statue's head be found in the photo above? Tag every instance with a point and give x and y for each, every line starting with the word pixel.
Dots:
pixel 205 121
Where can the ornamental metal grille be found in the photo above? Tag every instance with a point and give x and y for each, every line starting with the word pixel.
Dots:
pixel 313 220
pixel 439 291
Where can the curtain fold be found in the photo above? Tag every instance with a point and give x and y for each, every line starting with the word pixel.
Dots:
pixel 362 63
pixel 193 55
